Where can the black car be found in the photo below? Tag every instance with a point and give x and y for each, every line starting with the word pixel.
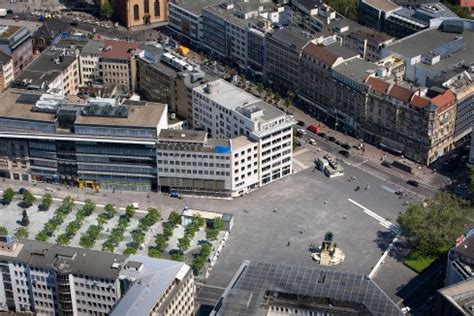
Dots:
pixel 387 164
pixel 74 23
pixel 413 183
pixel 298 143
pixel 338 143
pixel 9 11
pixel 346 146
pixel 22 191
pixel 332 138
pixel 300 123
pixel 323 135
pixel 344 153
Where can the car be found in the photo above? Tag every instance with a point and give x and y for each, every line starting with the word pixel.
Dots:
pixel 387 164
pixel 73 23
pixel 332 138
pixel 9 11
pixel 298 143
pixel 322 135
pixel 22 191
pixel 346 146
pixel 300 123
pixel 312 141
pixel 337 143
pixel 344 153
pixel 413 183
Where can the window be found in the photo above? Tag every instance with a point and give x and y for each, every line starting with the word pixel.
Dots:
pixel 146 5
pixel 157 8
pixel 136 13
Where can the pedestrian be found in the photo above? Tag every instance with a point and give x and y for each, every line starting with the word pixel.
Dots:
pixel 288 244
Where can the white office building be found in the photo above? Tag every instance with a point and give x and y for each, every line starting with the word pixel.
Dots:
pixel 89 62
pixel 46 279
pixel 226 111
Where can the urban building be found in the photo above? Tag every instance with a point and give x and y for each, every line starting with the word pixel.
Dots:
pixel 49 33
pixel 471 149
pixel 98 143
pixel 185 18
pixel 189 162
pixel 168 78
pixel 225 111
pixel 461 260
pixel 89 60
pixel 466 4
pixel 367 43
pixel 134 13
pixel 38 277
pixel 315 75
pixel 117 64
pixel 260 288
pixel 283 48
pixel 6 71
pixel 55 71
pixel 401 21
pixel 16 42
pixel 455 300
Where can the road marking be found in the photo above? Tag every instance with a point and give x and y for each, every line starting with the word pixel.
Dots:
pixel 361 163
pixel 300 164
pixel 300 152
pixel 382 221
pixel 388 189
pixel 382 258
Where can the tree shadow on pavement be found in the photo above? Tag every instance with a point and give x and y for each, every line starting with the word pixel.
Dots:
pixel 400 248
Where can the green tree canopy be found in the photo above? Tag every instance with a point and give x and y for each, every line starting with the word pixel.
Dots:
pixel 432 227
pixel 28 199
pixel 3 231
pixel 8 196
pixel 46 202
pixel 106 10
pixel 22 232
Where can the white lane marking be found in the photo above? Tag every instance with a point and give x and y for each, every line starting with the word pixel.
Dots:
pixel 361 163
pixel 300 152
pixel 300 164
pixel 382 221
pixel 382 258
pixel 388 189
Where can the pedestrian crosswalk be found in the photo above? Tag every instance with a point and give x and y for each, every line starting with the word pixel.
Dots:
pixel 382 221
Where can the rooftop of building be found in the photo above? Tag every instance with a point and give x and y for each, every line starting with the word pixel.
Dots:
pixel 119 49
pixel 52 28
pixel 195 6
pixel 185 136
pixel 7 31
pixel 4 57
pixel 81 261
pixel 424 12
pixel 258 285
pixel 309 4
pixel 357 69
pixel 429 40
pixel 371 35
pixel 240 141
pixel 93 47
pixel 291 36
pixel 235 99
pixel 47 67
pixel 466 248
pixel 152 279
pixel 460 295
pixel 382 5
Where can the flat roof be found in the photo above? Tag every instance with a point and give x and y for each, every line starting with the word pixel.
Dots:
pixel 460 295
pixel 93 47
pixel 195 6
pixel 82 261
pixel 383 5
pixel 6 31
pixel 119 49
pixel 156 276
pixel 291 36
pixel 240 141
pixel 356 69
pixel 12 109
pixel 257 283
pixel 141 116
pixel 173 135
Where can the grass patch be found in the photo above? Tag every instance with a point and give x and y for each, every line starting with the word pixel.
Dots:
pixel 419 261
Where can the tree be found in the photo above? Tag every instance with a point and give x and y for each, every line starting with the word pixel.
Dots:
pixel 176 255
pixel 42 236
pixel 102 219
pixel 3 231
pixel 198 264
pixel 138 237
pixel 433 227
pixel 260 88
pixel 154 252
pixel 212 234
pixel 130 251
pixel 25 220
pixel 168 229
pixel 8 196
pixel 161 242
pixel 130 211
pixel 184 243
pixel 46 202
pixel 106 11
pixel 28 199
pixel 218 223
pixel 22 232
pixel 110 210
pixel 88 207
pixel 348 8
pixel 174 218
pixel 63 239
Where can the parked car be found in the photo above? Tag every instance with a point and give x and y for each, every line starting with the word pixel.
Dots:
pixel 346 146
pixel 298 143
pixel 323 135
pixel 413 183
pixel 22 191
pixel 387 164
pixel 312 141
pixel 300 123
pixel 344 153
pixel 332 138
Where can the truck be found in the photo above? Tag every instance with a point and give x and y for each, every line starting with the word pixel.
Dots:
pixel 3 12
pixel 314 129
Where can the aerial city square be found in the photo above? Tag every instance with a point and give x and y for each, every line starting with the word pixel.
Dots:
pixel 237 157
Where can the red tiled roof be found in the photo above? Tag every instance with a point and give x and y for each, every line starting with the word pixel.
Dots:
pixel 400 93
pixel 378 84
pixel 317 52
pixel 443 101
pixel 419 102
pixel 119 49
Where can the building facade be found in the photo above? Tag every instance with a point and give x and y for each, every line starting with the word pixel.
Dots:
pixel 140 12
pixel 6 71
pixel 73 281
pixel 89 59
pixel 16 42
